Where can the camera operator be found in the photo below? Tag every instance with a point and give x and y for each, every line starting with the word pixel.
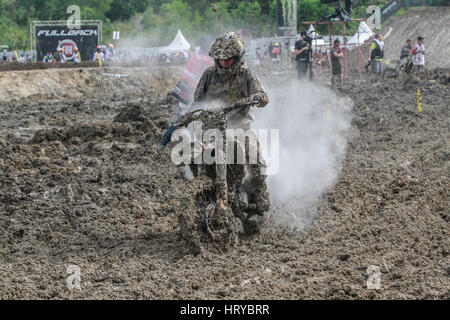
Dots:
pixel 303 55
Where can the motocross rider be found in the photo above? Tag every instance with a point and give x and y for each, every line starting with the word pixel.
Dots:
pixel 230 82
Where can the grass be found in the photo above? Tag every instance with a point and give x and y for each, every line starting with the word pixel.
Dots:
pixel 397 14
pixel 400 12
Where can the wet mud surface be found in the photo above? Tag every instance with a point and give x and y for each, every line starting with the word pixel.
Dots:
pixel 81 183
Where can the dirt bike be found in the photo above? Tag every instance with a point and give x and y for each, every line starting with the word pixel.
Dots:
pixel 212 217
pixel 395 68
pixel 406 65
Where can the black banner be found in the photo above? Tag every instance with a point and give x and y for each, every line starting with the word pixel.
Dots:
pixel 51 38
pixel 390 9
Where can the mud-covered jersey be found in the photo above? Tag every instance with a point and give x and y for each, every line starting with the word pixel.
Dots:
pixel 227 90
pixel 100 54
pixel 419 56
pixel 406 51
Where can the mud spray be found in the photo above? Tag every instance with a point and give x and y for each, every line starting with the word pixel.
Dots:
pixel 314 126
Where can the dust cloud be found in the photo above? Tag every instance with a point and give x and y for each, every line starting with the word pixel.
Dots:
pixel 314 126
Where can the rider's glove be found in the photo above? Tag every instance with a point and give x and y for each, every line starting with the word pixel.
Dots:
pixel 258 99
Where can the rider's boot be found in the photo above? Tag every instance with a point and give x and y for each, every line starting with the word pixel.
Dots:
pixel 259 198
pixel 260 203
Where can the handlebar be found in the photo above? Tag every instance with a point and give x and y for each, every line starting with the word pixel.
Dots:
pixel 190 116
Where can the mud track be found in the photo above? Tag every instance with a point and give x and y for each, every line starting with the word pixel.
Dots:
pixel 81 183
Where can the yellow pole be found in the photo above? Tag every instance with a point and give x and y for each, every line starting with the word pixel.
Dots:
pixel 419 100
pixel 99 60
pixel 17 55
pixel 79 55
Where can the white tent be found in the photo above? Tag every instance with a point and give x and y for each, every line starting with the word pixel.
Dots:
pixel 318 42
pixel 364 34
pixel 311 31
pixel 177 44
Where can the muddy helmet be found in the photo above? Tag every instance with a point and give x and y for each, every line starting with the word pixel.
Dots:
pixel 227 46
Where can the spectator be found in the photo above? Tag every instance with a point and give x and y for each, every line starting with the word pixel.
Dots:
pixel 276 54
pixel 63 56
pixel 302 56
pixel 4 57
pixel 110 52
pixel 376 54
pixel 336 57
pixel 99 54
pixel 406 49
pixel 58 57
pixel 418 52
pixel 48 57
pixel 341 13
pixel 76 55
pixel 405 57
pixel 348 7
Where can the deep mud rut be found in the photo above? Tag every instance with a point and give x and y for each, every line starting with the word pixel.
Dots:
pixel 82 184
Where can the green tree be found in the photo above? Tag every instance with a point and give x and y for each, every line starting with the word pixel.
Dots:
pixel 149 20
pixel 176 15
pixel 120 10
pixel 159 20
pixel 216 22
pixel 140 5
pixel 312 10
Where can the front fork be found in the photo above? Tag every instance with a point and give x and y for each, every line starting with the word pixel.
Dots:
pixel 221 177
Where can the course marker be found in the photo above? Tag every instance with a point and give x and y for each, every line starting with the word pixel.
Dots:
pixel 419 100
pixel 99 60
